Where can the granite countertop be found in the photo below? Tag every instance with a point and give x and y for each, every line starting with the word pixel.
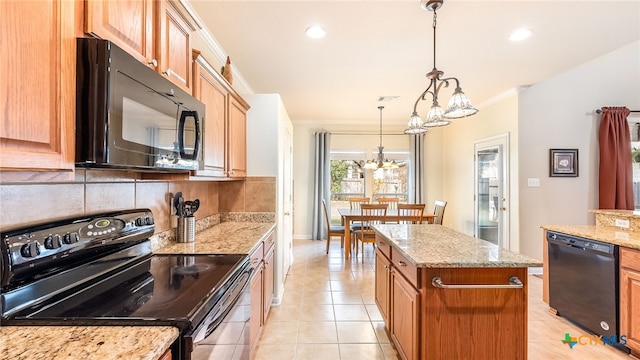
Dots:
pixel 85 342
pixel 609 234
pixel 436 246
pixel 225 238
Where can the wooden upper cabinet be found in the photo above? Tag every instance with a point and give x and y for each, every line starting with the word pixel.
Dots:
pixel 156 32
pixel 214 96
pixel 37 91
pixel 128 24
pixel 224 125
pixel 174 45
pixel 237 144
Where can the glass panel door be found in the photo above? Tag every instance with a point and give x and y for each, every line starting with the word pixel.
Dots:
pixel 491 216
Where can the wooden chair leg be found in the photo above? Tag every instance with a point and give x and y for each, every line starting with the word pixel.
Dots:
pixel 328 241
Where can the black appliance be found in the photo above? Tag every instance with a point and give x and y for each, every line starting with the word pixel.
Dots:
pixel 129 116
pixel 99 270
pixel 583 282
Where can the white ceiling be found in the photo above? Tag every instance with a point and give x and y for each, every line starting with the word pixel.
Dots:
pixel 385 48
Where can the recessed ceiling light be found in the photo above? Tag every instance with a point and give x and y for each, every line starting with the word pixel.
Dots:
pixel 520 34
pixel 315 32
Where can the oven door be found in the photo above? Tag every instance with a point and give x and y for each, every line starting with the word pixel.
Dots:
pixel 224 333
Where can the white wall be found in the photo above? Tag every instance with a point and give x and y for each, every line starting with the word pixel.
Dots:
pixel 303 155
pixel 458 162
pixel 560 113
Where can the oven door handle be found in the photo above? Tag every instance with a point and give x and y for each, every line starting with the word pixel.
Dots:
pixel 222 308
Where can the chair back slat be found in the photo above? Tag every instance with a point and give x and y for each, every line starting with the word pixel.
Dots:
pixel 410 213
pixel 355 202
pixel 392 202
pixel 376 214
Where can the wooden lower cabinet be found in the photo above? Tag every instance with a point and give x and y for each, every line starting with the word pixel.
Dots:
pixel 261 288
pixel 430 323
pixel 383 283
pixel 166 355
pixel 630 298
pixel 405 307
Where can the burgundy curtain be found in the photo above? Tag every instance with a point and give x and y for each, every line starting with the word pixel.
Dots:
pixel 616 176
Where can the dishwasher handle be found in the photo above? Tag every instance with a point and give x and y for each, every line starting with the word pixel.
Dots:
pixel 581 243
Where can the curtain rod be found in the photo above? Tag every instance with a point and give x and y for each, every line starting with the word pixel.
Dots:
pixel 599 111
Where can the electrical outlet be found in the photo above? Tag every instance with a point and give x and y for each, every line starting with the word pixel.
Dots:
pixel 533 182
pixel 622 223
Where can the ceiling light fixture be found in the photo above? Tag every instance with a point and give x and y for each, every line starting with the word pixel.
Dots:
pixel 520 34
pixel 459 105
pixel 380 162
pixel 315 32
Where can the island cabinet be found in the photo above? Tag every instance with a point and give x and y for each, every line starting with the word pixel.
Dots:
pixel 630 298
pixel 439 305
pixel 38 99
pixel 261 287
pixel 156 32
pixel 224 125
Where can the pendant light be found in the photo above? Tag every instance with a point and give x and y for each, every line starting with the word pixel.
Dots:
pixel 380 162
pixel 459 105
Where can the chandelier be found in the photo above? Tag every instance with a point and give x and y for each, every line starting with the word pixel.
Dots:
pixel 380 162
pixel 459 105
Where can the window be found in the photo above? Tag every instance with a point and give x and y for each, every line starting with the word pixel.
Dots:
pixel 350 179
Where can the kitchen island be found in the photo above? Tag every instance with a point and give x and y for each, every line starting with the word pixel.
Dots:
pixel 446 295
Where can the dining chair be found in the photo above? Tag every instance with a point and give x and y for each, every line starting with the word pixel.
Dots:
pixel 392 202
pixel 375 214
pixel 355 202
pixel 332 230
pixel 438 210
pixel 410 213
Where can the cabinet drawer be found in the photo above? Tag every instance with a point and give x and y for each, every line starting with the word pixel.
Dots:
pixel 256 257
pixel 383 246
pixel 268 243
pixel 630 258
pixel 405 267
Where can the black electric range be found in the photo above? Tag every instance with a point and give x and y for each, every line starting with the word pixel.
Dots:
pixel 99 270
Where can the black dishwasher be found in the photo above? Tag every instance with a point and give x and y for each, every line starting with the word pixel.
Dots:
pixel 583 282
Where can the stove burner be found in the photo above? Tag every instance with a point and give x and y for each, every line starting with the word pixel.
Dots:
pixel 192 269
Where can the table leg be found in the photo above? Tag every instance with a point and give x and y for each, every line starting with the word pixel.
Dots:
pixel 347 237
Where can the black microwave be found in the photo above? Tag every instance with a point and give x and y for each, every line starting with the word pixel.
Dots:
pixel 130 117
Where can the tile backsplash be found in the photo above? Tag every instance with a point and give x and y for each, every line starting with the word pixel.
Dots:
pixel 95 191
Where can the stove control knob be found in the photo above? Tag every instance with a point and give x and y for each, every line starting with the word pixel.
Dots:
pixel 30 249
pixel 148 220
pixel 53 242
pixel 71 238
pixel 139 221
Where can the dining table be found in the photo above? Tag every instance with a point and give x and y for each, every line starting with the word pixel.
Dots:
pixel 350 215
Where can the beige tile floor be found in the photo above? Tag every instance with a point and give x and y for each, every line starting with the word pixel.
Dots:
pixel 328 312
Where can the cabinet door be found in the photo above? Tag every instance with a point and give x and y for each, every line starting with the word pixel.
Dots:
pixel 630 298
pixel 405 304
pixel 383 282
pixel 214 96
pixel 128 24
pixel 255 321
pixel 37 40
pixel 174 46
pixel 268 276
pixel 237 140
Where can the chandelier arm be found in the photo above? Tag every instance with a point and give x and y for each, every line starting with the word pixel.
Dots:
pixel 452 78
pixel 444 82
pixel 422 96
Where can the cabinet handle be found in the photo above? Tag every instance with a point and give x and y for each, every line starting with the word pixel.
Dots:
pixel 254 261
pixel 153 62
pixel 514 283
pixel 402 263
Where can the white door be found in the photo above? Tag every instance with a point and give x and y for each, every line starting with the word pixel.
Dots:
pixel 492 190
pixel 287 193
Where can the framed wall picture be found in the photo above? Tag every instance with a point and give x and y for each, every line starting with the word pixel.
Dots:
pixel 563 162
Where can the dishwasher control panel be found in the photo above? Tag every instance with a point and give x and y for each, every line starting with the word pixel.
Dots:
pixel 580 242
